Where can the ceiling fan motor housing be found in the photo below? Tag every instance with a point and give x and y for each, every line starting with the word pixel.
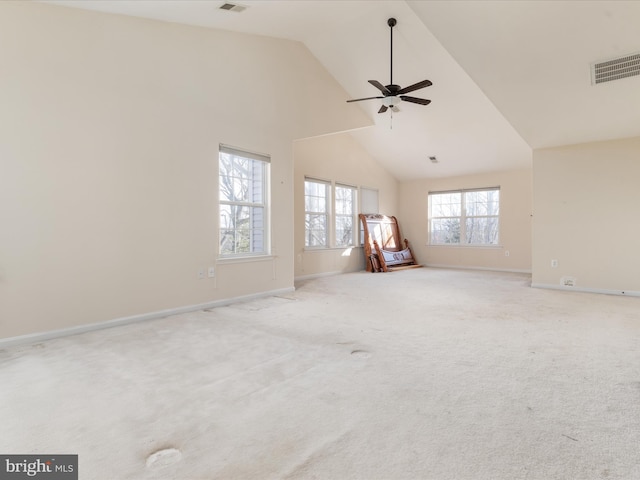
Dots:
pixel 393 90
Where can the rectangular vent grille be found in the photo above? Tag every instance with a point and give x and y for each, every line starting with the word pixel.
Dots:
pixel 232 7
pixel 623 67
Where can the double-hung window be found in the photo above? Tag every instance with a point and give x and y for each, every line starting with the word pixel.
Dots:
pixel 244 216
pixel 330 213
pixel 464 217
pixel 345 209
pixel 316 213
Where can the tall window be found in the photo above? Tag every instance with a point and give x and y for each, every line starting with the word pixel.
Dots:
pixel 316 213
pixel 243 180
pixel 345 202
pixel 470 217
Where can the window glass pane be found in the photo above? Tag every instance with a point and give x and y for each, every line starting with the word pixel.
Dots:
pixel 482 230
pixel 241 179
pixel 226 221
pixel 344 231
pixel 344 200
pixel 310 188
pixel 445 205
pixel 314 204
pixel 315 230
pixel 315 197
pixel 482 203
pixel 445 230
pixel 226 241
pixel 476 203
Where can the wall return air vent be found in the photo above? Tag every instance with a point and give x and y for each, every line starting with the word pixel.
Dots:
pixel 623 67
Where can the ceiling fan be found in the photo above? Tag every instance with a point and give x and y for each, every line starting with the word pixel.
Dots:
pixel 392 94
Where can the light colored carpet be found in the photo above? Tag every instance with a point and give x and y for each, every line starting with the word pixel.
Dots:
pixel 421 374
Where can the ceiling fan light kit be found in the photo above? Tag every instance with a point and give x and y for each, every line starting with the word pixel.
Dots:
pixel 391 101
pixel 393 94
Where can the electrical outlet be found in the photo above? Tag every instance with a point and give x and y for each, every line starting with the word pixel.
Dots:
pixel 554 263
pixel 212 272
pixel 200 273
pixel 568 281
pixel 506 253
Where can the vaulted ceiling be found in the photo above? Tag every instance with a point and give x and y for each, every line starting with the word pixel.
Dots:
pixel 508 77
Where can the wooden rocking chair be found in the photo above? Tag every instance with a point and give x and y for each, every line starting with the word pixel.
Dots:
pixel 383 248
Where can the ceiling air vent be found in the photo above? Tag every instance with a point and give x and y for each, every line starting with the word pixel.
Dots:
pixel 623 67
pixel 232 7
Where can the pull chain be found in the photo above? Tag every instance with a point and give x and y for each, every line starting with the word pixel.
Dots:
pixel 391 122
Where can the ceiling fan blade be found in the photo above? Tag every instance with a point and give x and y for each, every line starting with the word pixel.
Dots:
pixel 415 86
pixel 360 99
pixel 383 109
pixel 379 86
pixel 421 101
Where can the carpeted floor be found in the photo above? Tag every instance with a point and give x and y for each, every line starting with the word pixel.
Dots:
pixel 421 374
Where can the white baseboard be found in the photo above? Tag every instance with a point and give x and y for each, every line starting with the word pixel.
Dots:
pixel 65 332
pixel 487 269
pixel 626 293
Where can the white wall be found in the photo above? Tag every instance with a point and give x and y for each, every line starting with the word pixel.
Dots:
pixel 109 133
pixel 515 222
pixel 586 202
pixel 338 158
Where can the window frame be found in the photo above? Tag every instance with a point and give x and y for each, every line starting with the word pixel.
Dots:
pixel 318 213
pixel 462 218
pixel 353 215
pixel 262 204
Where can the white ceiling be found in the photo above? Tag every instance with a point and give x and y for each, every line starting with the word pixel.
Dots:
pixel 507 76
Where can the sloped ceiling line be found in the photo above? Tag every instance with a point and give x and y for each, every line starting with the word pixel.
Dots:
pixel 507 76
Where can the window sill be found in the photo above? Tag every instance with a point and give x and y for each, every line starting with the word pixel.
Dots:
pixel 246 259
pixel 459 245
pixel 329 249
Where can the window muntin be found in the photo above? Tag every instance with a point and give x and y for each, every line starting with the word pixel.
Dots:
pixel 243 182
pixel 316 217
pixel 345 210
pixel 469 217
